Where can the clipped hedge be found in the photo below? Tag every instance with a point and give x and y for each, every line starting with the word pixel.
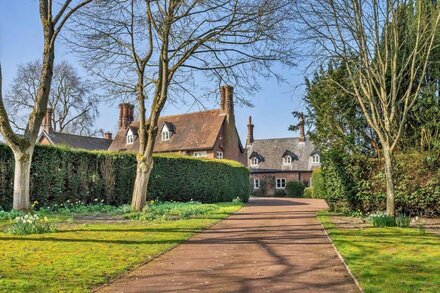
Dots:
pixel 358 183
pixel 317 190
pixel 60 174
pixel 295 189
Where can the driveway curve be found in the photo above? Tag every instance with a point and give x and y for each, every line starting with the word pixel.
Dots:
pixel 270 245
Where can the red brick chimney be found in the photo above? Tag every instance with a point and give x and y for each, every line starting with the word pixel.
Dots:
pixel 108 135
pixel 47 121
pixel 126 115
pixel 227 100
pixel 250 134
pixel 302 135
pixel 230 132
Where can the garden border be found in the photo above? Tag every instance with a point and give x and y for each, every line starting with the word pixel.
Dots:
pixel 341 258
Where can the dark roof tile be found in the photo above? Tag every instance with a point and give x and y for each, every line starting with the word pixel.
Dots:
pixel 78 141
pixel 274 149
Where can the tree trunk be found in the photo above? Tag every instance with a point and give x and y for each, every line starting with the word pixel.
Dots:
pixel 22 173
pixel 389 180
pixel 143 171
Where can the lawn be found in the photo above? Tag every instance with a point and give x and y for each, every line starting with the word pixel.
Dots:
pixel 79 257
pixel 389 259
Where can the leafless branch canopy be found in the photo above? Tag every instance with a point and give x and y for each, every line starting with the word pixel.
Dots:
pixel 53 17
pixel 215 41
pixel 385 47
pixel 71 98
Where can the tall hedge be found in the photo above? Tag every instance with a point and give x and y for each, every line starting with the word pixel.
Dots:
pixel 358 183
pixel 60 174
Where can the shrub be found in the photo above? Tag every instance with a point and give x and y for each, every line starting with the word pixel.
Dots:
pixel 60 174
pixel 295 189
pixel 280 192
pixel 308 192
pixel 10 215
pixel 30 224
pixel 382 220
pixel 358 183
pixel 318 184
pixel 403 221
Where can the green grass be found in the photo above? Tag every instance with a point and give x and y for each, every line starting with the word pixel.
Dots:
pixel 81 256
pixel 389 259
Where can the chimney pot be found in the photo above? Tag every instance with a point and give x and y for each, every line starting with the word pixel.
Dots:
pixel 108 135
pixel 47 122
pixel 126 115
pixel 227 100
pixel 302 135
pixel 250 134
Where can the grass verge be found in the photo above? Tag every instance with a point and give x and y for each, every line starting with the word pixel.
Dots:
pixel 79 257
pixel 389 259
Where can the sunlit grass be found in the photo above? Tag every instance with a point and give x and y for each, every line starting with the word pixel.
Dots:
pixel 81 256
pixel 389 259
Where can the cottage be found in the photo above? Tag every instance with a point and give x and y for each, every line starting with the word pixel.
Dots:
pixel 210 134
pixel 50 137
pixel 274 162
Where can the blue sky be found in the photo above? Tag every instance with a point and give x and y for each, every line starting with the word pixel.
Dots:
pixel 21 42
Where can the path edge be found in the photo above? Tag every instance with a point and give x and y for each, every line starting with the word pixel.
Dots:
pixel 112 280
pixel 355 280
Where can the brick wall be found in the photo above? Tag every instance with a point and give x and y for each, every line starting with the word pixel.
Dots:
pixel 268 181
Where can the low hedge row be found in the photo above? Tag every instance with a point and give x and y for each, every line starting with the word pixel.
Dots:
pixel 358 183
pixel 60 174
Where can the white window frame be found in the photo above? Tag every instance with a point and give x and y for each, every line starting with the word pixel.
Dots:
pixel 165 135
pixel 280 183
pixel 219 155
pixel 256 183
pixel 287 160
pixel 200 154
pixel 130 137
pixel 316 159
pixel 254 161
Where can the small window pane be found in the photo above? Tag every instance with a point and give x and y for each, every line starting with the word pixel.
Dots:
pixel 256 183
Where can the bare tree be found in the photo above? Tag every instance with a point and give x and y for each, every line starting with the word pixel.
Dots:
pixel 384 76
pixel 158 50
pixel 75 108
pixel 52 22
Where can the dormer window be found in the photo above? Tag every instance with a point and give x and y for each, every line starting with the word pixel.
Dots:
pixel 255 159
pixel 165 134
pixel 168 129
pixel 130 139
pixel 315 159
pixel 130 136
pixel 289 157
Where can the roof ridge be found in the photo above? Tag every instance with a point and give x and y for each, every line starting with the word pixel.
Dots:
pixel 190 113
pixel 294 137
pixel 77 135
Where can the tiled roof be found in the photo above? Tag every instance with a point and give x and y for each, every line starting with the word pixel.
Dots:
pixel 274 149
pixel 78 141
pixel 192 131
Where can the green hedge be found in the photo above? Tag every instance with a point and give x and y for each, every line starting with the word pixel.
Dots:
pixel 295 189
pixel 317 190
pixel 60 174
pixel 358 183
